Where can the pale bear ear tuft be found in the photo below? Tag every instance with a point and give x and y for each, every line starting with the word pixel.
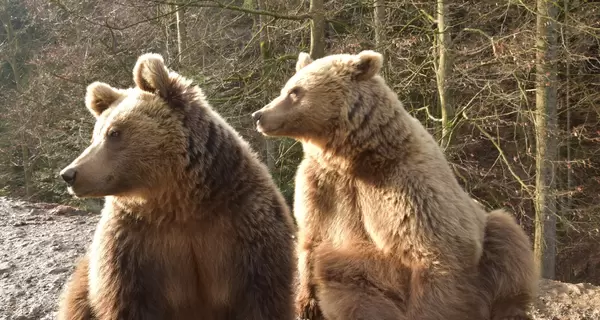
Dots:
pixel 304 59
pixel 367 64
pixel 100 96
pixel 150 74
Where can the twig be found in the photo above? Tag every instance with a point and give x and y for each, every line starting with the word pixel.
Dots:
pixel 502 155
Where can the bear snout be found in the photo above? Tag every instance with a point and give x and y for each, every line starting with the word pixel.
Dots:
pixel 257 115
pixel 69 175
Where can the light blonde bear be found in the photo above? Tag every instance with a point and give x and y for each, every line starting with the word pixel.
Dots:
pixel 385 230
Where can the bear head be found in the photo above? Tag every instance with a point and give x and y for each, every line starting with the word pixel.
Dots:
pixel 318 102
pixel 138 142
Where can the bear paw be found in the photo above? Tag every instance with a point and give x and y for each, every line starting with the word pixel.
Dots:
pixel 307 308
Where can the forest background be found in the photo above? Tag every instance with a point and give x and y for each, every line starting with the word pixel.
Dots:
pixel 511 89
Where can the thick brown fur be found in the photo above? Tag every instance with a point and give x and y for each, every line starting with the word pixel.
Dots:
pixel 385 229
pixel 193 226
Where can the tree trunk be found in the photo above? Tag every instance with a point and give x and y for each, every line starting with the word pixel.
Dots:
pixel 317 29
pixel 265 46
pixel 443 39
pixel 568 203
pixel 380 35
pixel 181 32
pixel 167 25
pixel 545 220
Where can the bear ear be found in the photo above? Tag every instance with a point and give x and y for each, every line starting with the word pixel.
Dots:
pixel 150 74
pixel 367 64
pixel 304 59
pixel 100 96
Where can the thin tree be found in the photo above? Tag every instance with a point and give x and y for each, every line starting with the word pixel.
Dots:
pixel 181 32
pixel 317 29
pixel 265 52
pixel 545 218
pixel 568 203
pixel 380 34
pixel 442 69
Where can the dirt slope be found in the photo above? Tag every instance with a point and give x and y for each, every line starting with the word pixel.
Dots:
pixel 39 244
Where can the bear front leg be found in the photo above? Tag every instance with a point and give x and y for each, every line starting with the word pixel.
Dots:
pixel 360 283
pixel 135 290
pixel 310 211
pixel 441 294
pixel 306 302
pixel 129 276
pixel 74 303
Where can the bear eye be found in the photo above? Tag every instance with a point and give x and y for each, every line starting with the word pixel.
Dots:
pixel 113 133
pixel 294 93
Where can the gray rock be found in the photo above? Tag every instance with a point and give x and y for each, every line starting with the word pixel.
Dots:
pixel 5 267
pixel 58 270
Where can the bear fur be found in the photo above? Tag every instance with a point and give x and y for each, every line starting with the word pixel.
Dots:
pixel 193 226
pixel 385 230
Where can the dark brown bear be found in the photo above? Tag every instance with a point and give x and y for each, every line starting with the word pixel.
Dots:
pixel 385 230
pixel 193 227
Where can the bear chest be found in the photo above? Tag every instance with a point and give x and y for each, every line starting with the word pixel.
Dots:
pixel 125 257
pixel 339 213
pixel 391 222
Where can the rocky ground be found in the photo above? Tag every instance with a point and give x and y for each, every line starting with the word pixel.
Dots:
pixel 40 242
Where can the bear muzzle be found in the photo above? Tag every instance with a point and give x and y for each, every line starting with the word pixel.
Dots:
pixel 69 175
pixel 257 115
pixel 268 120
pixel 88 174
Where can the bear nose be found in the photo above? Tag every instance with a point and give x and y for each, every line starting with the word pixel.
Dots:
pixel 256 115
pixel 69 175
